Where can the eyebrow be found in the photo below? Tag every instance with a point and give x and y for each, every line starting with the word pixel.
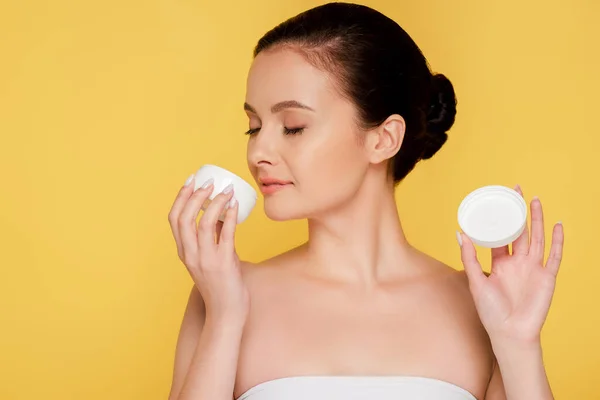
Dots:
pixel 281 106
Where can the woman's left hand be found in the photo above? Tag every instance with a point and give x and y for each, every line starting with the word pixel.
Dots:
pixel 513 301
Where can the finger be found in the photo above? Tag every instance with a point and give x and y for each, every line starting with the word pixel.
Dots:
pixel 537 247
pixel 469 259
pixel 521 244
pixel 207 227
pixel 556 249
pixel 227 235
pixel 187 219
pixel 499 252
pixel 180 200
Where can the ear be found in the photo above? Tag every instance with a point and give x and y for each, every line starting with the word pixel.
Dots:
pixel 384 141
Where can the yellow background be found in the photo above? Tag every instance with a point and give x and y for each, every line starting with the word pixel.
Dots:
pixel 107 106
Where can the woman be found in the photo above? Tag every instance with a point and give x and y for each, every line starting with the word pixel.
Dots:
pixel 341 106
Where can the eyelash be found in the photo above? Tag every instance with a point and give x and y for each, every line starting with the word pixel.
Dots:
pixel 287 131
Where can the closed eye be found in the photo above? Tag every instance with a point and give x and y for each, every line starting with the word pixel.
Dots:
pixel 293 131
pixel 252 131
pixel 287 131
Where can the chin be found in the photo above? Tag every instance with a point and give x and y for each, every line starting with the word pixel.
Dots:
pixel 282 211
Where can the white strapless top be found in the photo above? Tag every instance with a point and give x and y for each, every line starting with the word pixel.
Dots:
pixel 356 388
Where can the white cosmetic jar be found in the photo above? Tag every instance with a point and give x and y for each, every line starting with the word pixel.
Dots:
pixel 243 192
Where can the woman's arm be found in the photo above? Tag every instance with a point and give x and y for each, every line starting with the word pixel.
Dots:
pixel 206 355
pixel 519 373
pixel 187 341
pixel 219 303
pixel 514 300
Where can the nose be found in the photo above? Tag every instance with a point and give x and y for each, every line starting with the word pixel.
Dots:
pixel 262 148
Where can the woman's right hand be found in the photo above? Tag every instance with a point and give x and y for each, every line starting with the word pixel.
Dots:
pixel 208 249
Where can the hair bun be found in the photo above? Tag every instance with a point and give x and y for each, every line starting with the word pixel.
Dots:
pixel 441 114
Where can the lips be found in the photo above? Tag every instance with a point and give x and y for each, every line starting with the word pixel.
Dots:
pixel 272 181
pixel 272 185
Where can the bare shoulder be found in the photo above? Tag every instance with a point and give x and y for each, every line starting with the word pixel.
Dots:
pixel 273 267
pixel 451 289
pixel 452 285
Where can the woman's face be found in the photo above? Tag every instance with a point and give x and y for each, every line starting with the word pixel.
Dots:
pixel 303 133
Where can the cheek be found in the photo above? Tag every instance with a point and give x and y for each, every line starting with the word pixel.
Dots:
pixel 328 170
pixel 337 162
pixel 331 172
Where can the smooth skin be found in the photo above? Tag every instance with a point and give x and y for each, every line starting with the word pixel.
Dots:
pixel 357 298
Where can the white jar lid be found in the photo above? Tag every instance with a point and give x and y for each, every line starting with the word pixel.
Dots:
pixel 493 216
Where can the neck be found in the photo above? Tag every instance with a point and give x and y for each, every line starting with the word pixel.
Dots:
pixel 360 242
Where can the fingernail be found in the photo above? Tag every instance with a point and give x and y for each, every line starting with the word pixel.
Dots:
pixel 208 182
pixel 189 180
pixel 458 238
pixel 232 202
pixel 228 188
pixel 517 187
pixel 535 198
pixel 559 222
